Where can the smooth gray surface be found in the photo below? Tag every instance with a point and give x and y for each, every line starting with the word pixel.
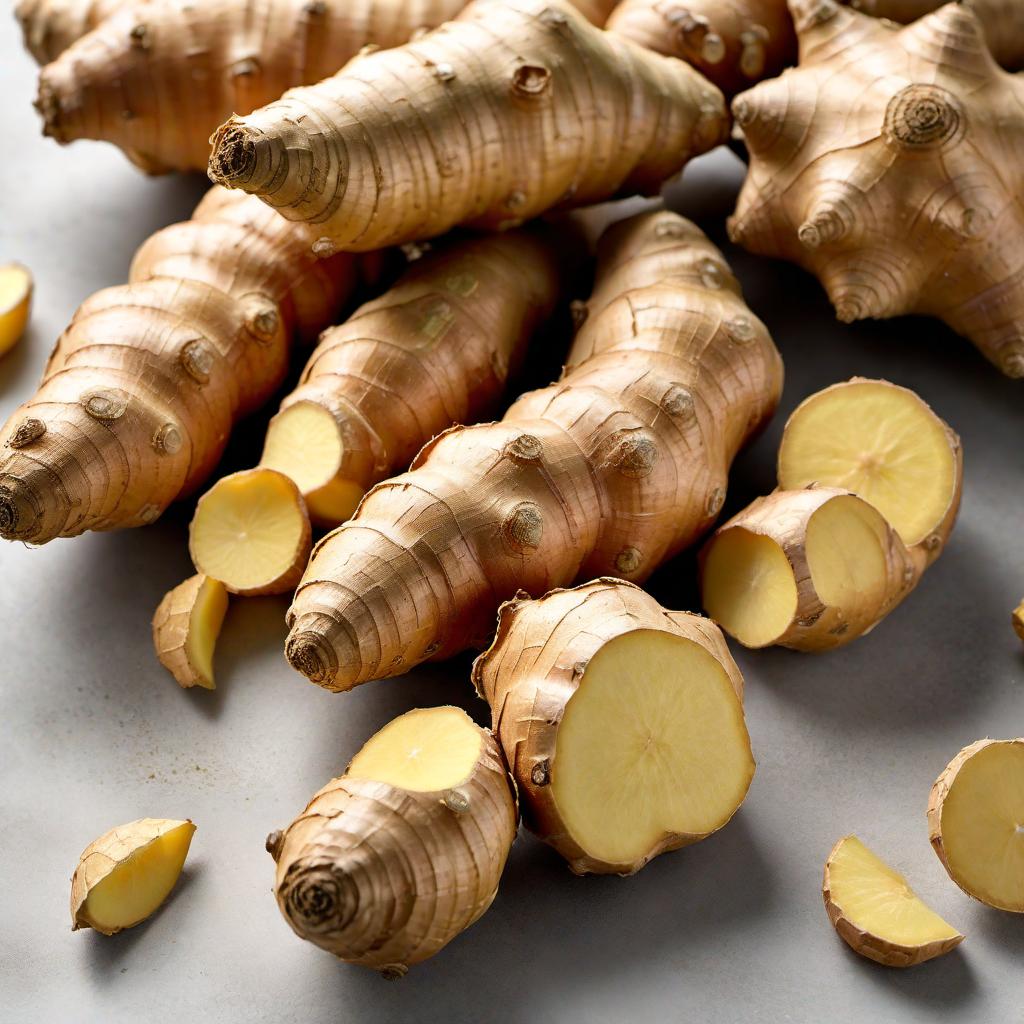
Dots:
pixel 94 733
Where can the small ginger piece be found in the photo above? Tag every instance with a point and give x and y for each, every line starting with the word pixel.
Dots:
pixel 875 912
pixel 251 531
pixel 387 864
pixel 126 874
pixel 185 629
pixel 976 822
pixel 622 722
pixel 15 304
pixel 1018 620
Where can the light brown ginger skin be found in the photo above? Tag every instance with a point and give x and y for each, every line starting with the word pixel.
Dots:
pixel 51 26
pixel 735 43
pixel 142 390
pixel 435 349
pixel 534 666
pixel 883 164
pixel 519 97
pixel 386 877
pixel 611 471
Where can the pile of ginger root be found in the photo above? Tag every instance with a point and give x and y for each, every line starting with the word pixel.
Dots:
pixel 398 215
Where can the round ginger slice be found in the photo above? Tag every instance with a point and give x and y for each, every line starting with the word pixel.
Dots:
pixel 976 822
pixel 883 443
pixel 15 304
pixel 251 532
pixel 652 752
pixel 124 876
pixel 876 913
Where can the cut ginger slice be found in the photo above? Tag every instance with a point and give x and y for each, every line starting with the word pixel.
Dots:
pixel 185 629
pixel 976 822
pixel 652 752
pixel 15 304
pixel 876 913
pixel 882 442
pixel 421 751
pixel 304 442
pixel 127 873
pixel 251 531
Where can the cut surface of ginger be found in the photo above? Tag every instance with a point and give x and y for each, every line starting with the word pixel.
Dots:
pixel 877 914
pixel 15 304
pixel 205 621
pixel 879 441
pixel 304 443
pixel 125 875
pixel 422 751
pixel 251 531
pixel 980 827
pixel 652 743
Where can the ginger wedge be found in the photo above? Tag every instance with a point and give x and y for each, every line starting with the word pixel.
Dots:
pixel 976 822
pixel 876 913
pixel 127 873
pixel 15 304
pixel 185 629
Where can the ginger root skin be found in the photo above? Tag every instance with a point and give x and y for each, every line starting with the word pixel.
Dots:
pixel 49 27
pixel 1017 619
pixel 876 169
pixel 537 664
pixel 521 84
pixel 385 876
pixel 140 394
pixel 435 349
pixel 734 43
pixel 612 470
pixel 186 625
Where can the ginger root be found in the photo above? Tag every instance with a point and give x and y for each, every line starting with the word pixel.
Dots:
pixel 142 390
pixel 185 629
pixel 870 482
pixel 124 876
pixel 51 26
pixel 976 822
pixel 390 862
pixel 15 304
pixel 611 471
pixel 1018 620
pixel 875 912
pixel 622 722
pixel 490 120
pixel 435 349
pixel 881 165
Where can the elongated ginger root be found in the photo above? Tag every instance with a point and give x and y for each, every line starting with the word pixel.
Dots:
pixel 251 531
pixel 885 165
pixel 614 469
pixel 735 43
pixel 124 876
pixel 976 822
pixel 185 629
pixel 139 396
pixel 390 862
pixel 434 350
pixel 51 26
pixel 15 304
pixel 875 912
pixel 622 723
pixel 514 109
pixel 815 565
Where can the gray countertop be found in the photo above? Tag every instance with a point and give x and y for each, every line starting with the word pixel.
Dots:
pixel 94 733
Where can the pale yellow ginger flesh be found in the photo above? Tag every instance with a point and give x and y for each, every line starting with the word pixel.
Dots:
pixel 422 751
pixel 204 628
pixel 251 531
pixel 1018 620
pixel 877 914
pixel 124 876
pixel 304 443
pixel 879 441
pixel 15 304
pixel 653 742
pixel 977 822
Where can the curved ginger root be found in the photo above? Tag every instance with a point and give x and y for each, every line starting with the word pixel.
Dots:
pixel 51 26
pixel 513 109
pixel 387 864
pixel 139 396
pixel 617 467
pixel 880 165
pixel 622 723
